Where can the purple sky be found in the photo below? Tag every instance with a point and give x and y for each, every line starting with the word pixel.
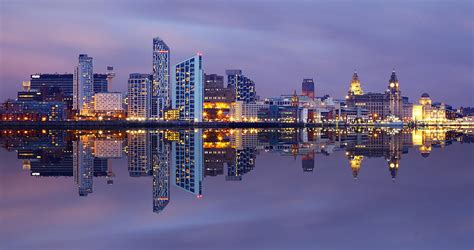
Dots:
pixel 276 43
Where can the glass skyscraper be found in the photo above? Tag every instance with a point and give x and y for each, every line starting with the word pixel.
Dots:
pixel 83 84
pixel 160 100
pixel 188 89
pixel 244 87
pixel 139 96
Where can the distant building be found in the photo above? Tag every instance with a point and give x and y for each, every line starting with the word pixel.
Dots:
pixel 101 83
pixel 426 112
pixel 33 95
pixel 32 111
pixel 108 104
pixel 243 86
pixel 378 105
pixel 307 87
pixel 139 96
pixel 243 111
pixel 62 81
pixel 187 87
pixel 160 90
pixel 83 85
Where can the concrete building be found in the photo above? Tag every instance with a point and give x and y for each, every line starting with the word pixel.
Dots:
pixel 217 98
pixel 426 112
pixel 244 87
pixel 108 104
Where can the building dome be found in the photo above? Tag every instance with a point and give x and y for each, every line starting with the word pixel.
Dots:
pixel 425 95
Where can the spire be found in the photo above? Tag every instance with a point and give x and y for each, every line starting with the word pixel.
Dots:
pixel 355 77
pixel 393 77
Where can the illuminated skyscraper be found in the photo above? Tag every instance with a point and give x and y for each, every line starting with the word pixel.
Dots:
pixel 395 96
pixel 187 161
pixel 139 96
pixel 307 88
pixel 83 85
pixel 244 87
pixel 188 89
pixel 160 96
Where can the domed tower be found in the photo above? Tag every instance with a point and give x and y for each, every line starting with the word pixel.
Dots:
pixel 395 96
pixel 355 88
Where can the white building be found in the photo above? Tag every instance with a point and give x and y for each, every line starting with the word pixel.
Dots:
pixel 139 96
pixel 188 89
pixel 247 112
pixel 108 102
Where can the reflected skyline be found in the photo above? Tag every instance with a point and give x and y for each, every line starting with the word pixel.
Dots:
pixel 186 158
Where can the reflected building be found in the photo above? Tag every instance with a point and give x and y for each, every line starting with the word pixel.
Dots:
pixel 139 153
pixel 83 166
pixel 187 161
pixel 161 171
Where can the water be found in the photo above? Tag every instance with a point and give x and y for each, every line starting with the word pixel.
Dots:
pixel 237 189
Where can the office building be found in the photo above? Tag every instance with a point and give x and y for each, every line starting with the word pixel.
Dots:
pixel 62 81
pixel 139 96
pixel 217 98
pixel 83 85
pixel 160 96
pixel 188 91
pixel 139 153
pixel 244 87
pixel 307 87
pixel 108 104
pixel 101 83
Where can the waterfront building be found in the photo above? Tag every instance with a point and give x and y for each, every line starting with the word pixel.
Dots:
pixel 378 105
pixel 108 104
pixel 161 153
pixel 30 95
pixel 188 90
pixel 217 98
pixel 62 81
pixel 83 166
pixel 108 148
pixel 307 87
pixel 160 90
pixel 242 111
pixel 426 112
pixel 139 96
pixel 139 153
pixel 243 86
pixel 32 111
pixel 83 85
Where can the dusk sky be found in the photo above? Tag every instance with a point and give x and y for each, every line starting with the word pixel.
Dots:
pixel 275 43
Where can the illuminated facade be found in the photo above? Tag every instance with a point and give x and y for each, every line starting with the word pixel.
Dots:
pixel 108 102
pixel 187 87
pixel 355 88
pixel 217 98
pixel 160 89
pixel 139 96
pixel 426 112
pixel 83 85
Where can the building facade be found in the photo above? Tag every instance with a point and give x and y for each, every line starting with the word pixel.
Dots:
pixel 160 90
pixel 83 85
pixel 188 91
pixel 139 96
pixel 217 98
pixel 307 88
pixel 244 87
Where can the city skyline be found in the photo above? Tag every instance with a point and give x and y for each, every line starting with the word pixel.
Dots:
pixel 329 54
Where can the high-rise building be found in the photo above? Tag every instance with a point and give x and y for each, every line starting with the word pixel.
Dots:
pixel 161 150
pixel 160 96
pixel 62 81
pixel 217 98
pixel 243 86
pixel 139 96
pixel 83 166
pixel 307 87
pixel 187 87
pixel 110 75
pixel 83 85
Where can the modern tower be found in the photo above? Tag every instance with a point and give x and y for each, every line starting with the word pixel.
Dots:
pixel 355 88
pixel 160 96
pixel 307 88
pixel 110 76
pixel 244 87
pixel 139 94
pixel 83 84
pixel 188 89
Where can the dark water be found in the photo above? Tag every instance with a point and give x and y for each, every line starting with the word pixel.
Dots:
pixel 237 189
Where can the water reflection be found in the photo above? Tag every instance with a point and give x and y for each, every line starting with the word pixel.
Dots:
pixel 184 158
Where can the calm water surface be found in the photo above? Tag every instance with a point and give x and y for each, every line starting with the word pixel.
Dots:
pixel 237 189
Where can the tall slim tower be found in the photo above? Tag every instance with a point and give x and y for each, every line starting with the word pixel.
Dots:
pixel 110 76
pixel 83 84
pixel 188 89
pixel 355 88
pixel 160 96
pixel 395 96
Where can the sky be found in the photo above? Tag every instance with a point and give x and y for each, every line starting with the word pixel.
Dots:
pixel 275 43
